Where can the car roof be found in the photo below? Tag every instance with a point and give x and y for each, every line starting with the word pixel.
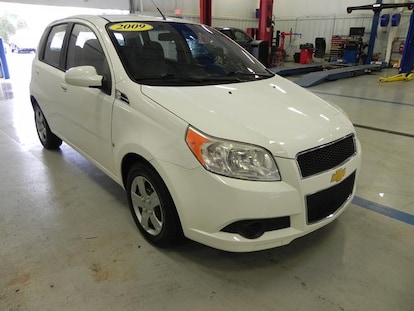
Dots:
pixel 227 28
pixel 102 20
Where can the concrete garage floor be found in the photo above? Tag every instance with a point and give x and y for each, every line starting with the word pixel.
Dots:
pixel 68 241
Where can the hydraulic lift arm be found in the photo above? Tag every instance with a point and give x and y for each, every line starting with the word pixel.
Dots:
pixel 377 7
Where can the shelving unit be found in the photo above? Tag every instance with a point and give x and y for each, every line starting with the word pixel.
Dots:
pixel 337 48
pixel 396 51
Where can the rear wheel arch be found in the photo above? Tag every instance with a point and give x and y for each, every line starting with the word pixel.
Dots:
pixel 33 101
pixel 48 139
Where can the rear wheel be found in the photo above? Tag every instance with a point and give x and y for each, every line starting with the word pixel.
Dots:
pixel 46 137
pixel 152 206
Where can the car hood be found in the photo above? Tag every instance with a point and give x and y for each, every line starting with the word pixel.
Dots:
pixel 273 113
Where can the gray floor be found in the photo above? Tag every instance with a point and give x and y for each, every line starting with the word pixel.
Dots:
pixel 68 242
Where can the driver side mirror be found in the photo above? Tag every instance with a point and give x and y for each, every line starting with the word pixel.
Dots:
pixel 85 76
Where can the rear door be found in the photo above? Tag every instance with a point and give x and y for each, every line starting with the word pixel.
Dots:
pixel 48 73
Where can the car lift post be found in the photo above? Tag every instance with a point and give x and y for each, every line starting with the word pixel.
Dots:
pixel 3 62
pixel 265 20
pixel 407 60
pixel 266 25
pixel 377 8
pixel 373 34
pixel 205 12
pixel 408 53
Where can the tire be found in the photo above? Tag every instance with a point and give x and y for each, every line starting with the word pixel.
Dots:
pixel 46 137
pixel 152 206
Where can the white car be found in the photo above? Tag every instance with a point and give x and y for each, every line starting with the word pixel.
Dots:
pixel 207 143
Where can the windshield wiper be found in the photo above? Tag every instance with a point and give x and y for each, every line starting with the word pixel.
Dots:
pixel 197 80
pixel 167 79
pixel 249 74
pixel 171 79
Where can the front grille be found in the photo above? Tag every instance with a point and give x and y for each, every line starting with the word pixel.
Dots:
pixel 326 202
pixel 326 157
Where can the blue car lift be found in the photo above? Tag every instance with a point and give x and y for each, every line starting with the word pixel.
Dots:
pixel 4 69
pixel 408 54
pixel 407 60
pixel 377 8
pixel 297 70
pixel 314 74
pixel 315 78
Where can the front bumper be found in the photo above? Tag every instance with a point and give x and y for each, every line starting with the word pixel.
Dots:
pixel 208 203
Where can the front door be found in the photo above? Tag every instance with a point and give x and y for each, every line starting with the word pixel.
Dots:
pixel 88 111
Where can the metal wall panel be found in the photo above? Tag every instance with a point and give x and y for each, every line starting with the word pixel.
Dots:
pixel 314 27
pixel 327 26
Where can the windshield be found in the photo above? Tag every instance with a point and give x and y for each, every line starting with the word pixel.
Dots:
pixel 169 53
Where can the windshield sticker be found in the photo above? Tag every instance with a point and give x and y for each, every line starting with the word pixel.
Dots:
pixel 130 26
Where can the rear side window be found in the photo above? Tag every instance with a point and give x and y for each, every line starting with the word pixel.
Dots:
pixel 240 36
pixel 54 44
pixel 228 33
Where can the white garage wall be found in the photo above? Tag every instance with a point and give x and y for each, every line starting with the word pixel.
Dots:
pixel 303 17
pixel 312 19
pixel 235 8
pixel 294 8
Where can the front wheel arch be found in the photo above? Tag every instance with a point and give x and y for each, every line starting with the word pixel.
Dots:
pixel 138 172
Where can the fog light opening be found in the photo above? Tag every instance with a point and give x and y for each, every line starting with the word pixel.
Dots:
pixel 255 228
pixel 252 230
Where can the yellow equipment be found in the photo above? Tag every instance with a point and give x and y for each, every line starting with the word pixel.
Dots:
pixel 399 77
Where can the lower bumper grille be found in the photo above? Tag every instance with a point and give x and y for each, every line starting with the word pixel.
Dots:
pixel 326 202
pixel 253 229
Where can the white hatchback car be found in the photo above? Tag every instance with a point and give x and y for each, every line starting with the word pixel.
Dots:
pixel 207 143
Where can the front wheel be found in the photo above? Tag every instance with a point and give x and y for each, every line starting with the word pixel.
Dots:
pixel 46 137
pixel 152 207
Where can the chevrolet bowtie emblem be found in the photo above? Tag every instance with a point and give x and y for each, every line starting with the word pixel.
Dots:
pixel 338 175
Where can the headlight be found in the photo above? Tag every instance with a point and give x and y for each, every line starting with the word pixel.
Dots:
pixel 232 159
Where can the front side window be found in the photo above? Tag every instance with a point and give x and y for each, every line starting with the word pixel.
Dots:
pixel 84 49
pixel 52 50
pixel 169 53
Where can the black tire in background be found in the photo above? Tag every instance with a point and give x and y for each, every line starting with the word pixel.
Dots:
pixel 152 206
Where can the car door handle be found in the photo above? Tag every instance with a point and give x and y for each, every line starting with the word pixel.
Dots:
pixel 64 86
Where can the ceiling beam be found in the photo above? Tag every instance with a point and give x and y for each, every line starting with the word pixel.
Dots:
pixel 95 4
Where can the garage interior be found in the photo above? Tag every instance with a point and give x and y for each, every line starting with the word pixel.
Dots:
pixel 67 238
